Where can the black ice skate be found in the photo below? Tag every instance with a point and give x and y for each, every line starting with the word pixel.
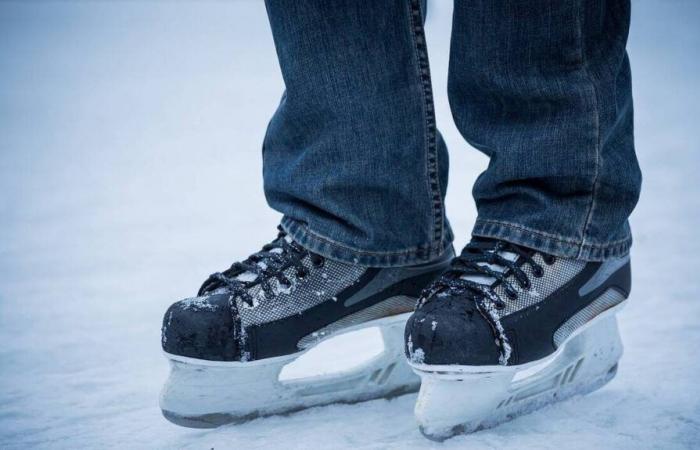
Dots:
pixel 507 330
pixel 228 345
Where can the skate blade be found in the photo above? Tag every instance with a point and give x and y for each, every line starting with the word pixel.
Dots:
pixel 464 399
pixel 207 394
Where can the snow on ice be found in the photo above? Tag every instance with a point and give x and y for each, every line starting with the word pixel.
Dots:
pixel 130 170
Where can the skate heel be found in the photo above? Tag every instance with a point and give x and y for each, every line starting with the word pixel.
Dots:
pixel 463 399
pixel 206 394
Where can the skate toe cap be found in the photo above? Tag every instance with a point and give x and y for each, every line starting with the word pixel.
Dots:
pixel 450 330
pixel 200 327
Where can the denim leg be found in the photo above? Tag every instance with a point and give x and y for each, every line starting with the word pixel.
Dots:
pixel 543 88
pixel 352 157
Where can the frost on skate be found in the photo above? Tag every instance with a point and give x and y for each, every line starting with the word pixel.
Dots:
pixel 253 326
pixel 464 399
pixel 527 329
pixel 209 395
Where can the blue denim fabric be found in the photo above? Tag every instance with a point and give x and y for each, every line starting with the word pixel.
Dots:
pixel 353 159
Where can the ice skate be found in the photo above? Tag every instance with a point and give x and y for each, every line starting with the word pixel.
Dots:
pixel 228 345
pixel 508 330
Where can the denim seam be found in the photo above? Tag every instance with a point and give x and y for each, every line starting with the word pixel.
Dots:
pixel 596 118
pixel 554 237
pixel 289 227
pixel 533 239
pixel 433 181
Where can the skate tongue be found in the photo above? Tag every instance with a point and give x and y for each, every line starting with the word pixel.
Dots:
pixel 485 279
pixel 248 277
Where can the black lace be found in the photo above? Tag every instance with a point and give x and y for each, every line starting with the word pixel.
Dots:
pixel 473 262
pixel 276 257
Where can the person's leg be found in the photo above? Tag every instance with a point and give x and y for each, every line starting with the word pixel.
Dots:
pixel 352 157
pixel 354 161
pixel 543 88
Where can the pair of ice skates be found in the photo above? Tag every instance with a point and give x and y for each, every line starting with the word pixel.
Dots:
pixel 498 331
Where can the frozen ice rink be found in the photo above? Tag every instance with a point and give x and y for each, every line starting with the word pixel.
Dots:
pixel 130 169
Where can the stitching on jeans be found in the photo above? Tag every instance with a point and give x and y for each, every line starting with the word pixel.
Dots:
pixel 421 52
pixel 553 236
pixel 549 235
pixel 596 115
pixel 310 234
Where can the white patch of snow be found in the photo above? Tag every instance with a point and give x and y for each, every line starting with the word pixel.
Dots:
pixel 418 356
pixel 486 280
pixel 246 277
pixel 242 340
pixel 196 304
pixel 488 306
pixel 284 289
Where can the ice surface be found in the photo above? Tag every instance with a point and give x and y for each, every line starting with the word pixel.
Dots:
pixel 130 136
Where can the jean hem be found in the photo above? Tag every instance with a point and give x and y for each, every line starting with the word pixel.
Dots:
pixel 551 243
pixel 329 248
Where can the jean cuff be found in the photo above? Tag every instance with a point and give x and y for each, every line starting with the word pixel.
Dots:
pixel 550 243
pixel 328 248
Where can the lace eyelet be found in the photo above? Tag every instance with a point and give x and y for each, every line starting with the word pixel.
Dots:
pixel 301 274
pixel 511 295
pixel 549 259
pixel 538 271
pixel 318 262
pixel 500 305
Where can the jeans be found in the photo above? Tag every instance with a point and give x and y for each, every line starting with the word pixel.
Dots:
pixel 353 159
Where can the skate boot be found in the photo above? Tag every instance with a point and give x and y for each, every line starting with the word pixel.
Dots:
pixel 507 330
pixel 228 345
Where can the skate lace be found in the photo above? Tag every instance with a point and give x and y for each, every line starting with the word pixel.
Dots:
pixel 484 259
pixel 262 267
